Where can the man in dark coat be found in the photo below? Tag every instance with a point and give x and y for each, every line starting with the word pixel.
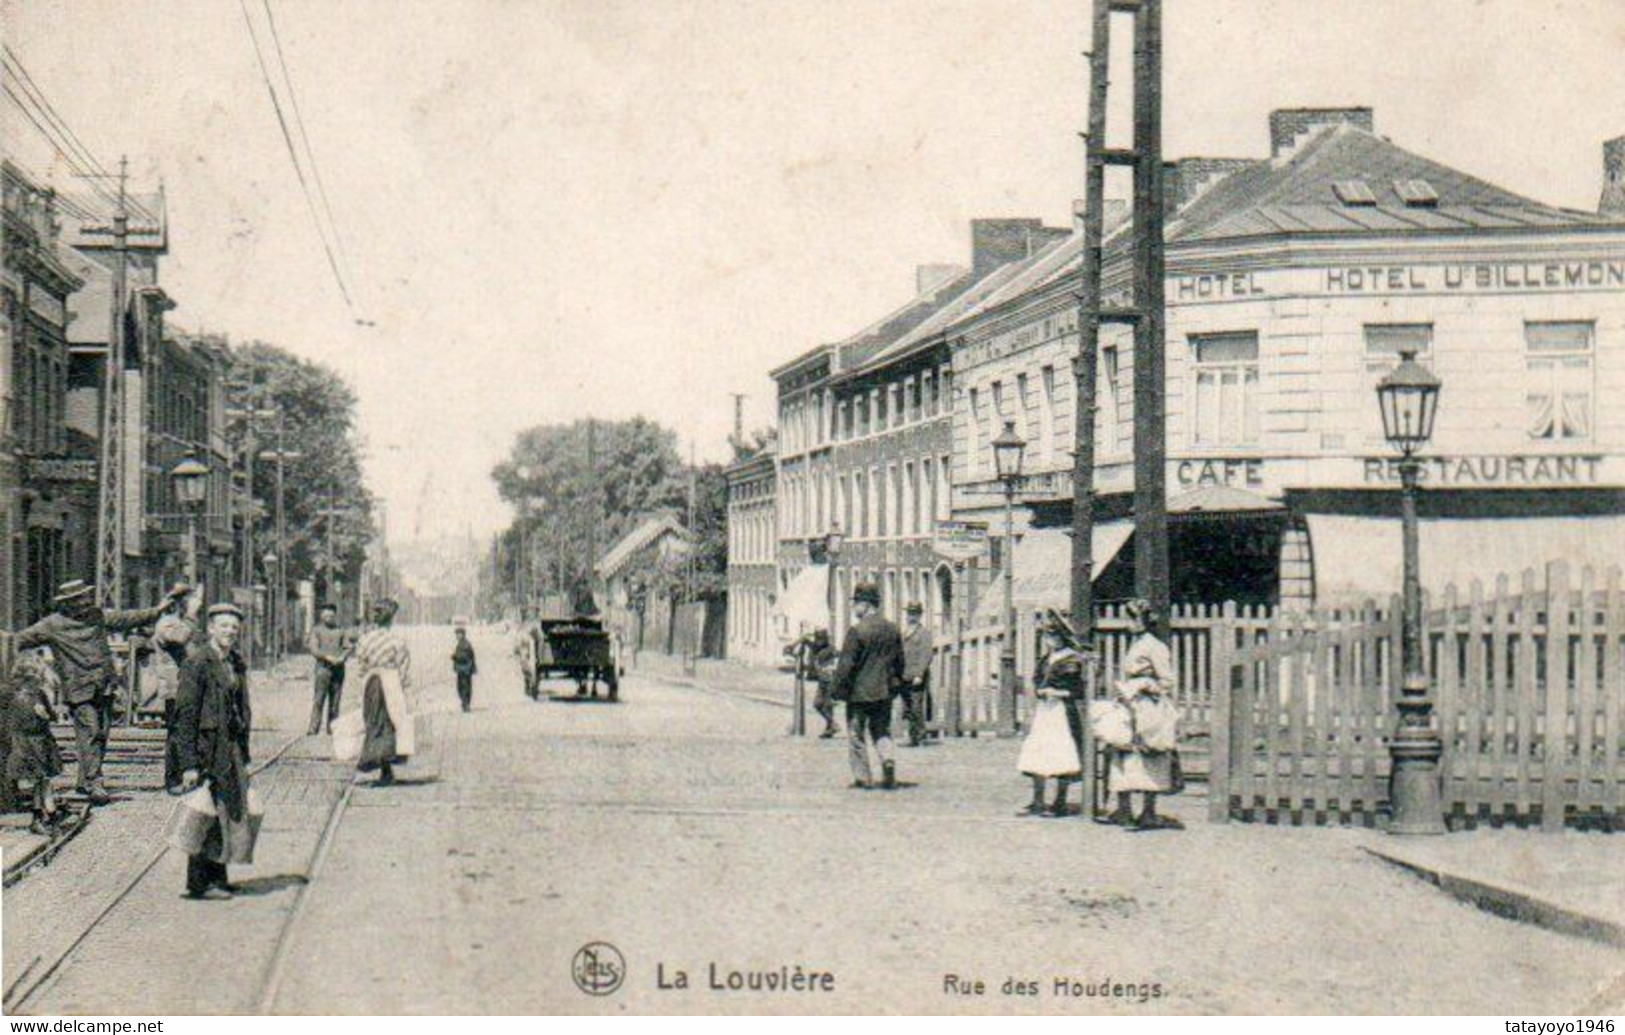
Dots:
pixel 916 686
pixel 870 669
pixel 77 635
pixel 212 723
pixel 464 665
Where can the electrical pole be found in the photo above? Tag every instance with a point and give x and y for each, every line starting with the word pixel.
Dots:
pixel 110 509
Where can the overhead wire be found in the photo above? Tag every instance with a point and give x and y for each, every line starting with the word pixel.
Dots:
pixel 73 207
pixel 95 171
pixel 299 123
pixel 293 156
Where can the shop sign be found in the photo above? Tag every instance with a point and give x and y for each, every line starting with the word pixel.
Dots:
pixel 1232 471
pixel 960 540
pixel 1553 469
pixel 59 469
pixel 1567 275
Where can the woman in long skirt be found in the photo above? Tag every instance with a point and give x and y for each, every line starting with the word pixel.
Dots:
pixel 1146 768
pixel 386 673
pixel 33 758
pixel 1051 750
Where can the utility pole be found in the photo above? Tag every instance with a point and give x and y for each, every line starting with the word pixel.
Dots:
pixel 110 505
pixel 739 421
pixel 279 578
pixel 594 514
pixel 1144 313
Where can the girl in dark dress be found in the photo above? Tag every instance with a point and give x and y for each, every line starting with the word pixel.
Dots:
pixel 34 758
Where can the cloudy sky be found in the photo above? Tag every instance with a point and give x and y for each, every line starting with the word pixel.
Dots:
pixel 551 208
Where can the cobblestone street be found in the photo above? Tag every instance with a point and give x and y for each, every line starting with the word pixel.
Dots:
pixel 682 827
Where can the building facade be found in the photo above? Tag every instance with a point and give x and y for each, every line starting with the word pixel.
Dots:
pixel 753 634
pixel 47 521
pixel 1293 284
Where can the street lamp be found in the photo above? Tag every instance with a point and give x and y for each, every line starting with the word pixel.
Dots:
pixel 274 604
pixel 191 480
pixel 1409 399
pixel 1007 453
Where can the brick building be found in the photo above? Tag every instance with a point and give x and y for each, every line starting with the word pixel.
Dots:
pixel 45 523
pixel 1293 282
pixel 864 437
pixel 753 634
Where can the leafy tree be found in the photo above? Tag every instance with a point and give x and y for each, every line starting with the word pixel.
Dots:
pixel 318 422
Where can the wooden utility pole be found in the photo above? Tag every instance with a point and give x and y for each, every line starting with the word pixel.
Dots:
pixel 1150 368
pixel 1144 313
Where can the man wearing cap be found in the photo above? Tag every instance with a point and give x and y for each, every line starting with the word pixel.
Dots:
pixel 916 688
pixel 870 668
pixel 77 635
pixel 464 665
pixel 329 646
pixel 212 723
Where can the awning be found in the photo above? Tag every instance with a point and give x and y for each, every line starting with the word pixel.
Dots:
pixel 1044 567
pixel 804 603
pixel 1359 558
pixel 1220 499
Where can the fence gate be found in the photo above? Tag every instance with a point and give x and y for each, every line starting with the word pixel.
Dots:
pixel 1528 684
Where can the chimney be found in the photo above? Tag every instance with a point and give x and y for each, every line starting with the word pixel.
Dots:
pixel 1289 125
pixel 934 275
pixel 1612 203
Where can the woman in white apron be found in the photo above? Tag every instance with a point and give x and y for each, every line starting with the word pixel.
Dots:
pixel 386 674
pixel 1147 767
pixel 1050 751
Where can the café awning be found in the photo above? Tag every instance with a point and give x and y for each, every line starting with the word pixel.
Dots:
pixel 1359 557
pixel 1044 567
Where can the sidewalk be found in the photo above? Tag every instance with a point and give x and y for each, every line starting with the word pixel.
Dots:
pixel 771 686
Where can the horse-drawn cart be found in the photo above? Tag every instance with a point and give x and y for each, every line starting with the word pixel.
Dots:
pixel 580 649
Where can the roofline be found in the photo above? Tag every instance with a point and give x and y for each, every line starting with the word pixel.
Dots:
pixel 805 357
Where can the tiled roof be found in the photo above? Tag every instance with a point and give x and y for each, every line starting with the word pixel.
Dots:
pixel 622 552
pixel 1297 194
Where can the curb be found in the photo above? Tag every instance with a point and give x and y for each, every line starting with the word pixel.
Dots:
pixel 691 684
pixel 1510 901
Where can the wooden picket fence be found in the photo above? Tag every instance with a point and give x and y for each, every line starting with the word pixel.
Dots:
pixel 967 665
pixel 1528 684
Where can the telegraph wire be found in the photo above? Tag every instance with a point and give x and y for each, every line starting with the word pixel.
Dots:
pixel 299 123
pixel 96 170
pixel 293 156
pixel 73 207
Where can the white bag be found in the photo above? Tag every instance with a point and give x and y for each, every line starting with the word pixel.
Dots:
pixel 239 839
pixel 1049 749
pixel 1112 723
pixel 349 732
pixel 1157 721
pixel 400 713
pixel 190 821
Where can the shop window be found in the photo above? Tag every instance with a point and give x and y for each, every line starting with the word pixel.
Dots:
pixel 1224 408
pixel 1559 393
pixel 1114 433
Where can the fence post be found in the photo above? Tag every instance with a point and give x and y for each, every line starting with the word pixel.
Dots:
pixel 956 677
pixel 1221 725
pixel 1554 745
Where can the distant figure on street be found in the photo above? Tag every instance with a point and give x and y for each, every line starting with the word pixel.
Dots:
pixel 1148 766
pixel 77 635
pixel 329 647
pixel 1055 736
pixel 386 674
pixel 524 651
pixel 464 665
pixel 870 669
pixel 32 757
pixel 212 722
pixel 916 688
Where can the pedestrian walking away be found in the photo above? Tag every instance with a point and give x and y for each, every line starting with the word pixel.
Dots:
pixel 213 717
pixel 1149 764
pixel 464 665
pixel 32 756
pixel 386 675
pixel 77 635
pixel 1054 743
pixel 916 686
pixel 329 646
pixel 870 669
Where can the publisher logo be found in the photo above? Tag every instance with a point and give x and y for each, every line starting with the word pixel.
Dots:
pixel 598 968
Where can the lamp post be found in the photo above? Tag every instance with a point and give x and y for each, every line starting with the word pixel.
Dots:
pixel 191 480
pixel 273 605
pixel 1007 452
pixel 1409 399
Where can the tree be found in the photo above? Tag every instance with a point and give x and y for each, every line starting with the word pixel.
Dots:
pixel 570 502
pixel 318 413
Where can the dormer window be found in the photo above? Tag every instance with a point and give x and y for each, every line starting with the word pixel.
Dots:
pixel 1354 192
pixel 1417 193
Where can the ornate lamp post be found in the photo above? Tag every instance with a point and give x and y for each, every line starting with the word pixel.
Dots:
pixel 1409 398
pixel 1007 453
pixel 191 479
pixel 274 605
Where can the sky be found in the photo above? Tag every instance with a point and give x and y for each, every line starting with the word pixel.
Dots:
pixel 558 208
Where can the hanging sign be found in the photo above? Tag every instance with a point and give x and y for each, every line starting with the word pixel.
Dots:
pixel 960 540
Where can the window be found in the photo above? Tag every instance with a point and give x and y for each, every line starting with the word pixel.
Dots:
pixel 896 501
pixel 929 469
pixel 915 384
pixel 930 389
pixel 881 412
pixel 909 522
pixel 1224 409
pixel 883 523
pixel 1113 431
pixel 844 505
pixel 1354 192
pixel 1560 383
pixel 898 406
pixel 1385 341
pixel 944 495
pixel 1047 419
pixel 1417 193
pixel 862 403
